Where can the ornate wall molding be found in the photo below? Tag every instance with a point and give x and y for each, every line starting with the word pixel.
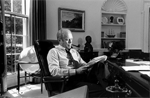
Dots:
pixel 114 6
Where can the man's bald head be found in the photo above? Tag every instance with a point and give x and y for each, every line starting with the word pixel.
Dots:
pixel 64 36
pixel 62 33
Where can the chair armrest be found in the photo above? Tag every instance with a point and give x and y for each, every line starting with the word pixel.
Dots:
pixel 55 79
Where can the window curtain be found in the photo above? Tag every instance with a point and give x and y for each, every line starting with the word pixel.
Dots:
pixel 37 20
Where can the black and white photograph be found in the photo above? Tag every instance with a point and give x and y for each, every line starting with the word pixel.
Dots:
pixel 74 48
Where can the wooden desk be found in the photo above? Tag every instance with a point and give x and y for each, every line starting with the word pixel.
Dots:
pixel 132 80
pixel 133 62
pixel 80 92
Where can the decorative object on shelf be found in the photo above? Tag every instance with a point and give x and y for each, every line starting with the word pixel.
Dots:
pixel 104 20
pixel 107 44
pixel 122 34
pixel 102 34
pixel 111 19
pixel 72 19
pixel 115 49
pixel 120 20
pixel 111 33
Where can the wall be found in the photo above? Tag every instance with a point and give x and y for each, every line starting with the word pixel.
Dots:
pixel 93 21
pixel 134 24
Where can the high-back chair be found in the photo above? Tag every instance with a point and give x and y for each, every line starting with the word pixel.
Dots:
pixel 41 48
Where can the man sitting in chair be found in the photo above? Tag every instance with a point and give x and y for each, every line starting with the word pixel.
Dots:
pixel 63 60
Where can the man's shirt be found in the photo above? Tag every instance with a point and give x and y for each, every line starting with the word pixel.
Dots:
pixel 59 62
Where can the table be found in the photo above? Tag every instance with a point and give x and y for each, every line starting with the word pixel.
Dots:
pixel 80 92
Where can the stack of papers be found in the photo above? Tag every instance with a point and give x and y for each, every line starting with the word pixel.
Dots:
pixel 142 62
pixel 136 68
pixel 145 72
pixel 133 62
pixel 142 69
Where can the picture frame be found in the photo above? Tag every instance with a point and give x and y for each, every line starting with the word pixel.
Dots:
pixel 120 20
pixel 71 19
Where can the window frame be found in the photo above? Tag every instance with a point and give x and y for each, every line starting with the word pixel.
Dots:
pixel 26 41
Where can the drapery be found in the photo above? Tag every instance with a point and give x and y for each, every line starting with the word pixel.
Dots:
pixel 37 20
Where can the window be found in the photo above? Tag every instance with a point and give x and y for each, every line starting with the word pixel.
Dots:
pixel 16 30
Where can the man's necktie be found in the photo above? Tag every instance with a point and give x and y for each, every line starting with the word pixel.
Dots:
pixel 72 63
pixel 69 56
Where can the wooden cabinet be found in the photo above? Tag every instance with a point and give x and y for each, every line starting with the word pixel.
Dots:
pixel 113 28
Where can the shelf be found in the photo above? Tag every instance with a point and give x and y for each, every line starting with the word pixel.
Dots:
pixel 114 38
pixel 118 13
pixel 113 24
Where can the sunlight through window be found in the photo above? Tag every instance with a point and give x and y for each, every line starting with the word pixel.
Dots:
pixel 23 90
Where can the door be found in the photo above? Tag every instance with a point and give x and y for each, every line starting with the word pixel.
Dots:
pixel 146 34
pixel 149 33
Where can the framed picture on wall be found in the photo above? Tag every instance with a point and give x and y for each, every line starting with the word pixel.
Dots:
pixel 71 19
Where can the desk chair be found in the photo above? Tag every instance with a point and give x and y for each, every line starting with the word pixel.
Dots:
pixel 41 49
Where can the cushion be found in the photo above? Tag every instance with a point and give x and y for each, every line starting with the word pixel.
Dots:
pixel 28 55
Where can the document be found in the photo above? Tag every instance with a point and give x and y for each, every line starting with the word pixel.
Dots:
pixel 96 59
pixel 134 62
pixel 145 72
pixel 136 68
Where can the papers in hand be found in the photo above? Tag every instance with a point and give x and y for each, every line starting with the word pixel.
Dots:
pixel 96 59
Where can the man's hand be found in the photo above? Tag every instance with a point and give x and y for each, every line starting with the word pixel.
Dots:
pixel 80 70
pixel 76 64
pixel 104 58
